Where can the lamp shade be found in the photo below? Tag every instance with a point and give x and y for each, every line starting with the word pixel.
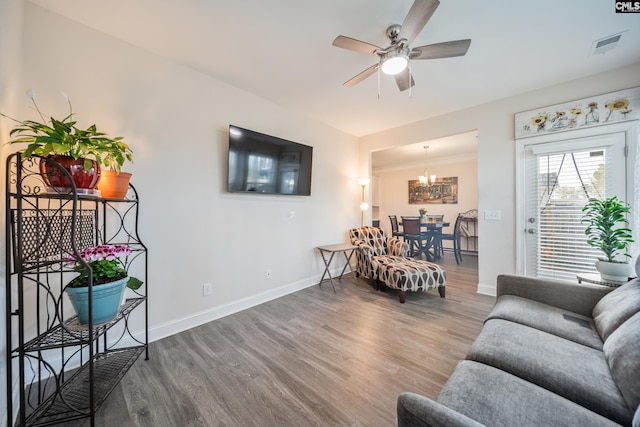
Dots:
pixel 364 206
pixel 363 181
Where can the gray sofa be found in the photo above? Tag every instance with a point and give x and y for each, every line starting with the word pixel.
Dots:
pixel 549 354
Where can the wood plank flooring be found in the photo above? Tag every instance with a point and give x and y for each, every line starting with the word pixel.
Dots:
pixel 313 358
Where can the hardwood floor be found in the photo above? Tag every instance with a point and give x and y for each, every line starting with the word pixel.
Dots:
pixel 313 358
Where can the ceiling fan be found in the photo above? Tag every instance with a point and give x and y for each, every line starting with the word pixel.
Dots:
pixel 394 59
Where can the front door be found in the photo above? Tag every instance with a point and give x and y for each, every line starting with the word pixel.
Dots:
pixel 560 177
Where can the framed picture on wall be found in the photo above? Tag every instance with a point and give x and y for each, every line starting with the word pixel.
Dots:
pixel 443 191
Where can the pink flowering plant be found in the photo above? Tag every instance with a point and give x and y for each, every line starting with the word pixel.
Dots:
pixel 108 264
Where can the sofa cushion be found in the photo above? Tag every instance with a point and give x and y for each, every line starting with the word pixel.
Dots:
pixel 412 275
pixel 574 371
pixel 622 350
pixel 616 307
pixel 380 260
pixel 556 321
pixel 497 398
pixel 576 297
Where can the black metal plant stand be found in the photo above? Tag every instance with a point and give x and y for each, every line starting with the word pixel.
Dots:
pixel 58 370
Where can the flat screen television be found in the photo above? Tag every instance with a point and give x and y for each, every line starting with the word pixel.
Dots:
pixel 265 164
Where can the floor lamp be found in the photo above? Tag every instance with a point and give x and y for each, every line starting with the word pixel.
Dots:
pixel 363 205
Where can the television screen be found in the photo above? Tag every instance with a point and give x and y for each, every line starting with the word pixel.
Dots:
pixel 264 164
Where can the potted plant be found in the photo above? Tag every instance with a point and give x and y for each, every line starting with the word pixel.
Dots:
pixel 80 151
pixel 607 230
pixel 106 265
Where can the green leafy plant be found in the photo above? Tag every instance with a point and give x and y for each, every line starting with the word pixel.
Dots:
pixel 602 218
pixel 65 138
pixel 108 264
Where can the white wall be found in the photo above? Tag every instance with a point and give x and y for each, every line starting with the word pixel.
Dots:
pixel 394 189
pixel 10 46
pixel 176 120
pixel 496 156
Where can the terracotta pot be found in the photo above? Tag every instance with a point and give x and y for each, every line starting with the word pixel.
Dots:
pixel 83 179
pixel 114 185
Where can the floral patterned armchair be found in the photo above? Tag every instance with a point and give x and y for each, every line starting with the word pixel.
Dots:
pixel 374 249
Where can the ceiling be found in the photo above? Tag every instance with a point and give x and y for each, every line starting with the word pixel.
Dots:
pixel 451 149
pixel 281 49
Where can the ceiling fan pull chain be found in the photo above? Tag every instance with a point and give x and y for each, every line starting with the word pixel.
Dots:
pixel 410 78
pixel 379 82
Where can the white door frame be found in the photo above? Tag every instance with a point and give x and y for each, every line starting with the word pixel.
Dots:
pixel 630 129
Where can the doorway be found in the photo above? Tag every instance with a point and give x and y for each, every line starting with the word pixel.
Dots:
pixel 557 175
pixel 392 169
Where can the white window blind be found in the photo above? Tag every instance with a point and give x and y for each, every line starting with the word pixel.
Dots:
pixel 559 185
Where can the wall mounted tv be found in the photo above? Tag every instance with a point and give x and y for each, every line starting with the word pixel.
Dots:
pixel 264 164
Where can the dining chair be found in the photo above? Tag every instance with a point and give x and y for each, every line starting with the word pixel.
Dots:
pixel 437 243
pixel 412 235
pixel 394 226
pixel 455 239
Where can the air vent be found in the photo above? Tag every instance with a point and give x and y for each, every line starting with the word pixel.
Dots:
pixel 606 44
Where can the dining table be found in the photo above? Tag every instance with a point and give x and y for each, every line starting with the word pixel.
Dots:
pixel 430 237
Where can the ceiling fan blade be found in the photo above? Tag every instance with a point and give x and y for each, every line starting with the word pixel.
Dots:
pixel 404 80
pixel 357 45
pixel 441 50
pixel 363 75
pixel 417 18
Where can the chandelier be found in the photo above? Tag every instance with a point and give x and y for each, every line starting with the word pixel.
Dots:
pixel 426 180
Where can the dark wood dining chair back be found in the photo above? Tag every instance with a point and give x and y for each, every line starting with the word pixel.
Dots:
pixel 437 249
pixel 394 226
pixel 411 233
pixel 411 225
pixel 455 239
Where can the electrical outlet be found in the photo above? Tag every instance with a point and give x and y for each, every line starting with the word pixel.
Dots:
pixel 267 274
pixel 207 289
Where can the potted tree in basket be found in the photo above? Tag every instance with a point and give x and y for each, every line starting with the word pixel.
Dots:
pixel 107 268
pixel 607 230
pixel 80 151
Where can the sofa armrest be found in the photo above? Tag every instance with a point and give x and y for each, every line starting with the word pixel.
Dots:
pixel 579 298
pixel 418 411
pixel 397 247
pixel 364 247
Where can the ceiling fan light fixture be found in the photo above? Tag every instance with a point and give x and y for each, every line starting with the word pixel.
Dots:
pixel 394 62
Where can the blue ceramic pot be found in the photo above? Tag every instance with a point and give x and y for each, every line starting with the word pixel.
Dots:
pixel 106 301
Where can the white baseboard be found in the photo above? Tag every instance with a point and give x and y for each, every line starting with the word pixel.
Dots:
pixel 179 325
pixel 486 289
